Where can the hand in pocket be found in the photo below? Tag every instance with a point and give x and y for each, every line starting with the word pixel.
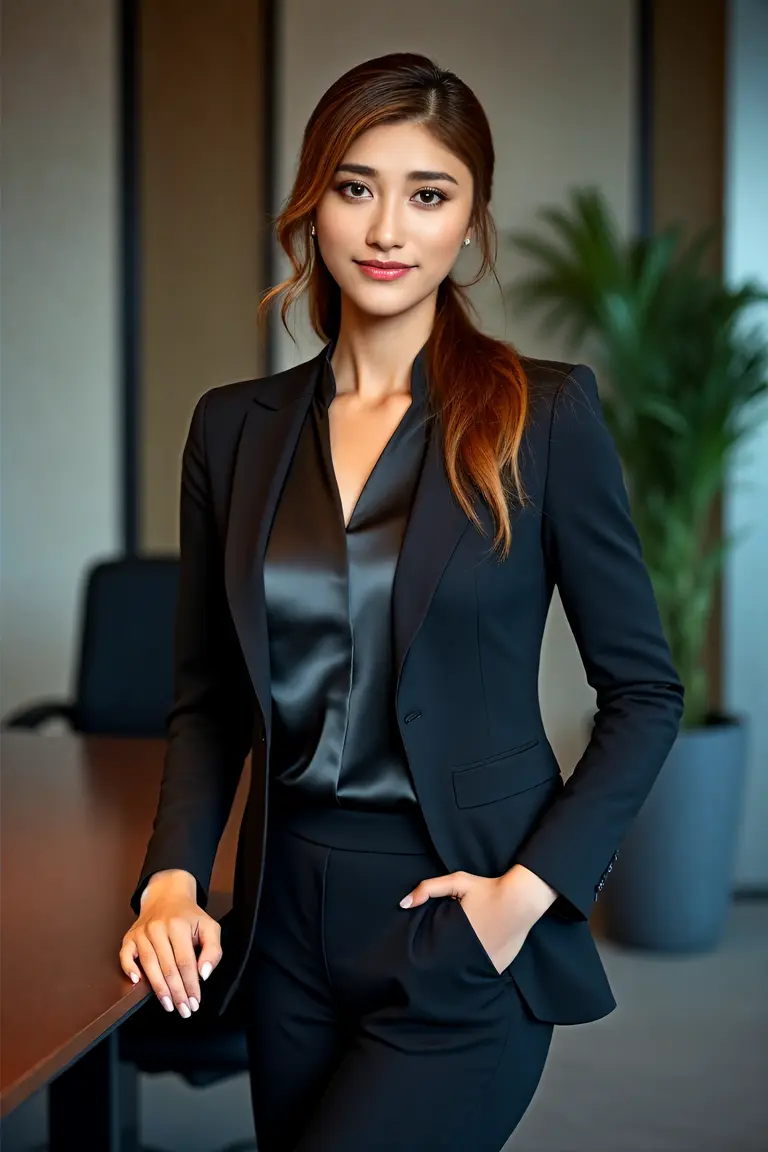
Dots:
pixel 499 924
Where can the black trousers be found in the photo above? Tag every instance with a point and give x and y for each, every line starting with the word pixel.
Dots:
pixel 373 1028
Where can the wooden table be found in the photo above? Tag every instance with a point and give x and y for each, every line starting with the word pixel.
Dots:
pixel 75 817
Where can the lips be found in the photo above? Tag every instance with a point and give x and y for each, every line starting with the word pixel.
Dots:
pixel 381 264
pixel 383 272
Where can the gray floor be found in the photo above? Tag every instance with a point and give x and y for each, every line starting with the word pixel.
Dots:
pixel 680 1066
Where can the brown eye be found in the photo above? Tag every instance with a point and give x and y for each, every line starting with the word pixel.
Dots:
pixel 434 192
pixel 352 184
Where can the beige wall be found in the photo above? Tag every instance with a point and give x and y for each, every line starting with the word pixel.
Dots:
pixel 201 129
pixel 557 82
pixel 60 383
pixel 202 229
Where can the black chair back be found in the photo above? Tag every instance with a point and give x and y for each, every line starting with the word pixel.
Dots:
pixel 125 674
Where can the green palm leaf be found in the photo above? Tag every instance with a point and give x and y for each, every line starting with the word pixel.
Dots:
pixel 686 373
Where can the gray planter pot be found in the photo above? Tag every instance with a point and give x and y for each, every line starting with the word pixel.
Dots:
pixel 670 887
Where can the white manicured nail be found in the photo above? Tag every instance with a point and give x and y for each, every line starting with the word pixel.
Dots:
pixel 206 970
pixel 184 1011
pixel 167 1003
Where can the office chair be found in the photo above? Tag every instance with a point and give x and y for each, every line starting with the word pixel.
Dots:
pixel 124 687
pixel 124 680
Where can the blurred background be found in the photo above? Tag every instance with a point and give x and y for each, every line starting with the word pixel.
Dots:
pixel 146 145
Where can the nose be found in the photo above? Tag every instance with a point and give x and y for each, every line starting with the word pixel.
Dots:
pixel 386 227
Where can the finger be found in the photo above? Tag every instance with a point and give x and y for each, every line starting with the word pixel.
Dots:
pixel 128 956
pixel 209 934
pixel 455 884
pixel 157 931
pixel 180 936
pixel 153 971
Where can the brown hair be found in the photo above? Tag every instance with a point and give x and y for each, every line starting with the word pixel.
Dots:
pixel 477 384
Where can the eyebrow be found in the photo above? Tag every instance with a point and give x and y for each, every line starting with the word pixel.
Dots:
pixel 364 170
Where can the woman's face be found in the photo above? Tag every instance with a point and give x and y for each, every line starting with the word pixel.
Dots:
pixel 398 195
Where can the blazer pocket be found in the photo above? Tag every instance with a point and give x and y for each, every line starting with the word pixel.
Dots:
pixel 502 775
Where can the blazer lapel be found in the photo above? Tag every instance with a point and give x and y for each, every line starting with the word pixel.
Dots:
pixel 268 439
pixel 270 432
pixel 434 528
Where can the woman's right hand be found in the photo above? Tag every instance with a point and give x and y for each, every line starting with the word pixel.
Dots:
pixel 164 937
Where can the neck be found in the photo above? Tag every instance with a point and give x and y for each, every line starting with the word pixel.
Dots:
pixel 373 355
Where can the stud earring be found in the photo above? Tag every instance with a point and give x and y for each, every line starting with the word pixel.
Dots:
pixel 313 229
pixel 467 241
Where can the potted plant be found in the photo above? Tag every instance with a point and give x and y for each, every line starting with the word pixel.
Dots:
pixel 683 375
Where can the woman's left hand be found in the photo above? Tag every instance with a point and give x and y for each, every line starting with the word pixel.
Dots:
pixel 500 922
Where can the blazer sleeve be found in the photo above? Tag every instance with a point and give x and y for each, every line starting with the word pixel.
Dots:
pixel 593 551
pixel 210 724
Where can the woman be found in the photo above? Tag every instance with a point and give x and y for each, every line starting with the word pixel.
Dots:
pixel 424 879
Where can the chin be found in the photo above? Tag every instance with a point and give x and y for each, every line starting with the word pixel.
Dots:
pixel 379 303
pixel 382 299
pixel 385 308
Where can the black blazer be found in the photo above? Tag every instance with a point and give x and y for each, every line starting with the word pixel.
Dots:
pixel 467 640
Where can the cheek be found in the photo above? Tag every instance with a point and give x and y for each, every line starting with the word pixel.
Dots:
pixel 338 247
pixel 438 258
pixel 335 224
pixel 440 240
pixel 446 249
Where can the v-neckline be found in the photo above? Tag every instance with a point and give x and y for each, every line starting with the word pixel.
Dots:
pixel 335 483
pixel 326 396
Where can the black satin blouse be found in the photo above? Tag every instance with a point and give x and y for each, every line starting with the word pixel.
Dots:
pixel 329 595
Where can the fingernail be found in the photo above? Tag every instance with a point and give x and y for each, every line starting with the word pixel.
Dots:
pixel 206 970
pixel 406 901
pixel 167 1003
pixel 135 977
pixel 194 1005
pixel 184 1011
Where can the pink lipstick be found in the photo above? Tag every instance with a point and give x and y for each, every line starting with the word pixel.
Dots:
pixel 381 270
